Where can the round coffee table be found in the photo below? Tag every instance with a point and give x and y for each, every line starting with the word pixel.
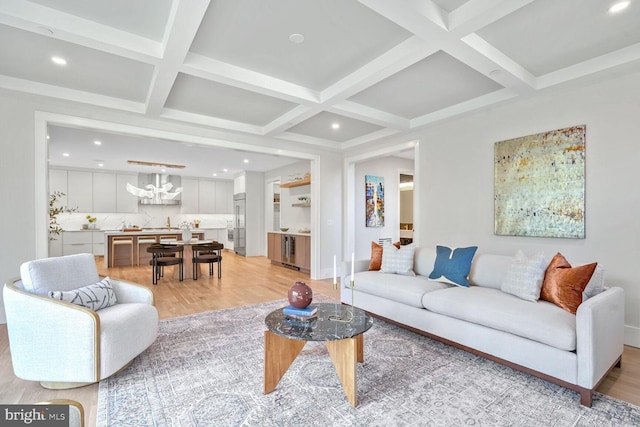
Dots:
pixel 340 327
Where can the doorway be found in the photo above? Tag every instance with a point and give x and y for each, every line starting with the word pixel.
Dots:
pixel 406 208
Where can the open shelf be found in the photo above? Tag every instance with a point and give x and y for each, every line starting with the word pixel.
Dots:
pixel 297 183
pixel 301 205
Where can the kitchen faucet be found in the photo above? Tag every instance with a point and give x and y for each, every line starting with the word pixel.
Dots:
pixel 168 223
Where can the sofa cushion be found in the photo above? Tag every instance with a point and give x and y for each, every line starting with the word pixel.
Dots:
pixel 541 321
pixel 404 289
pixel 423 260
pixel 97 296
pixel 563 285
pixel 595 285
pixel 453 265
pixel 524 276
pixel 59 274
pixel 488 270
pixel 397 261
pixel 376 256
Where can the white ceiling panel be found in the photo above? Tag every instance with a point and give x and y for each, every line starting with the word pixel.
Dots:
pixel 208 98
pixel 436 82
pixel 339 37
pixel 145 18
pixel 378 67
pixel 548 35
pixel 27 56
pixel 320 126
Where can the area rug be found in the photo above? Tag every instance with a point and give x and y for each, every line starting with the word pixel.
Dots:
pixel 207 370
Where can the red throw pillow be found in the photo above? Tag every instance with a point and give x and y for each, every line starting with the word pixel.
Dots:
pixel 376 256
pixel 563 285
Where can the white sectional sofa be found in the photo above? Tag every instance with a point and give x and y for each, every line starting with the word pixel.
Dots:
pixel 539 338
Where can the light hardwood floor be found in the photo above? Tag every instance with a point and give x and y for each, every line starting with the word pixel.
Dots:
pixel 244 281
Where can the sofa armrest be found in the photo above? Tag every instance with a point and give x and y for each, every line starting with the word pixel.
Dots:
pixel 359 265
pixel 127 292
pixel 44 332
pixel 600 335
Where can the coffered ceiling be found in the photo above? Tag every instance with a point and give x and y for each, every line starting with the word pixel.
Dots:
pixel 355 72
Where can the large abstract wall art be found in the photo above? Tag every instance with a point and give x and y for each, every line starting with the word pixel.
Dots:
pixel 539 184
pixel 374 191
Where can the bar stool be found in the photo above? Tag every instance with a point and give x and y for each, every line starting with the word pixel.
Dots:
pixel 165 255
pixel 207 254
pixel 119 241
pixel 144 240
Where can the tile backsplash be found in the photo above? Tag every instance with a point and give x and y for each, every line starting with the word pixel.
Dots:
pixel 147 217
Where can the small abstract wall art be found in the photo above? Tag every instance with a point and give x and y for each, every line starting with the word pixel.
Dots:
pixel 539 184
pixel 374 191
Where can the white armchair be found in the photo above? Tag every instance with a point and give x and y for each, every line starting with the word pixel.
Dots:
pixel 64 345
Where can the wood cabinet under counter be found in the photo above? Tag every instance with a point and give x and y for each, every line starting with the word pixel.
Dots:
pixel 290 250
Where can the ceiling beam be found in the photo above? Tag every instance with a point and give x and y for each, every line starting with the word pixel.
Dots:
pixel 182 26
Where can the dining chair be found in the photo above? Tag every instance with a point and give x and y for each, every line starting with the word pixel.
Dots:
pixel 166 255
pixel 208 253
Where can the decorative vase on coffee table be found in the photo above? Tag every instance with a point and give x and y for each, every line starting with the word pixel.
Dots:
pixel 300 295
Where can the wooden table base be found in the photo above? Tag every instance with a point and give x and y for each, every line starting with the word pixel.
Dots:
pixel 280 352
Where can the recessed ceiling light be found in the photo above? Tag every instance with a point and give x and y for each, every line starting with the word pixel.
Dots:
pixel 48 137
pixel 335 126
pixel 100 164
pixel 58 60
pixel 225 170
pixel 215 174
pixel 96 142
pixel 495 73
pixel 163 170
pixel 65 154
pixel 296 38
pixel 246 160
pixel 618 7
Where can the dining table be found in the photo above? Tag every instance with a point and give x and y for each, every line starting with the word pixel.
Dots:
pixel 188 254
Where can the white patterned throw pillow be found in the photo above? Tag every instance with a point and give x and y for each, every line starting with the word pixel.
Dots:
pixel 398 261
pixel 97 296
pixel 525 276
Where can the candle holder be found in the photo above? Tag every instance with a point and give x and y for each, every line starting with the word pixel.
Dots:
pixel 338 317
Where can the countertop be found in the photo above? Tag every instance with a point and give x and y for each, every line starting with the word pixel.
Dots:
pixel 292 233
pixel 154 231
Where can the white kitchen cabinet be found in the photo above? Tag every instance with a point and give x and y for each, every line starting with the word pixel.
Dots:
pixel 189 197
pixel 206 197
pixel 58 182
pixel 55 246
pixel 77 242
pixel 104 192
pixel 81 242
pixel 212 235
pixel 224 197
pixel 79 190
pixel 97 243
pixel 125 201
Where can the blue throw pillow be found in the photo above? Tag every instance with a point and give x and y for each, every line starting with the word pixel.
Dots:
pixel 453 265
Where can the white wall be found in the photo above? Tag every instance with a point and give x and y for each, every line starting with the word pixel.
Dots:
pixel 389 168
pixel 17 214
pixel 456 185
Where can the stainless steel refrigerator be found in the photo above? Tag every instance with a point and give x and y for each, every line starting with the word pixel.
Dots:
pixel 239 230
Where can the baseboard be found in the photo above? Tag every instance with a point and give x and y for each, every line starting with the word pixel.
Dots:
pixel 632 336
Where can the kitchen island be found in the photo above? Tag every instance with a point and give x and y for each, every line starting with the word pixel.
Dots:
pixel 128 248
